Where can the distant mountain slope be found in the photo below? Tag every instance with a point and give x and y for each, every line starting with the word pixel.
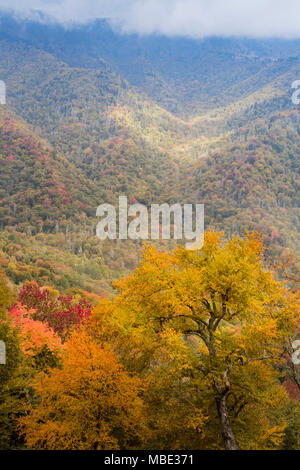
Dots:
pixel 47 217
pixel 39 189
pixel 251 181
pixel 91 115
pixel 81 113
pixel 180 74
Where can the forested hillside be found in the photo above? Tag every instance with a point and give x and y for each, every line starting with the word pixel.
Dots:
pixel 86 122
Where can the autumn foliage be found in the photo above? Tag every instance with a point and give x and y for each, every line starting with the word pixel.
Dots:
pixel 192 353
pixel 35 335
pixel 91 403
pixel 62 313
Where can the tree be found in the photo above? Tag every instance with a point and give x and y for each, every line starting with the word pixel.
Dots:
pixel 236 319
pixel 30 346
pixel 7 293
pixel 14 388
pixel 62 313
pixel 15 391
pixel 37 340
pixel 91 403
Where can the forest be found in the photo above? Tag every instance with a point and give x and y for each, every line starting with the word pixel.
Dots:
pixel 199 341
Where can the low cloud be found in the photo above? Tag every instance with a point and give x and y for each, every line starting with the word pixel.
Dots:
pixel 192 18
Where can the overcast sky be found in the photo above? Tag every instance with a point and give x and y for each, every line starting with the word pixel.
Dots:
pixel 196 18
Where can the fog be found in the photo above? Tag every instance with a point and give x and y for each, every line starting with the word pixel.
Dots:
pixel 191 18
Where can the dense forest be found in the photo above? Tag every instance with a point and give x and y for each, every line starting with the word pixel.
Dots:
pixel 200 341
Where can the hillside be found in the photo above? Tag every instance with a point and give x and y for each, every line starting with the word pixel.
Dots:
pixel 183 75
pixel 157 119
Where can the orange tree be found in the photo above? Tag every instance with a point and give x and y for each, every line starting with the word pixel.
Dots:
pixel 30 347
pixel 229 320
pixel 90 403
pixel 41 346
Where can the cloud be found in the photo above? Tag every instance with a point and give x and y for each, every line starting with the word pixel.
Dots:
pixel 66 11
pixel 193 18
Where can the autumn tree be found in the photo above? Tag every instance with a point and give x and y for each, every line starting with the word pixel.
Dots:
pixel 39 343
pixel 30 346
pixel 13 384
pixel 61 312
pixel 234 317
pixel 7 293
pixel 91 403
pixel 15 390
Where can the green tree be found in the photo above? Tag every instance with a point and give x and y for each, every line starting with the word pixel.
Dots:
pixel 15 390
pixel 7 293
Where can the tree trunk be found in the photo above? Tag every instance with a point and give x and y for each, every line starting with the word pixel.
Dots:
pixel 227 432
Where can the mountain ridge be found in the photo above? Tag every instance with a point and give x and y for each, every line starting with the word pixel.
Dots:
pixel 234 148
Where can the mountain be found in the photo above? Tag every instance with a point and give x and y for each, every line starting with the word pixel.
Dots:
pixel 92 114
pixel 176 72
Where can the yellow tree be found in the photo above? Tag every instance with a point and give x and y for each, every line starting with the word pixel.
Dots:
pixel 234 317
pixel 92 403
pixel 162 361
pixel 7 293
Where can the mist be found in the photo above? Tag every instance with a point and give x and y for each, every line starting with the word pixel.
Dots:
pixel 189 18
